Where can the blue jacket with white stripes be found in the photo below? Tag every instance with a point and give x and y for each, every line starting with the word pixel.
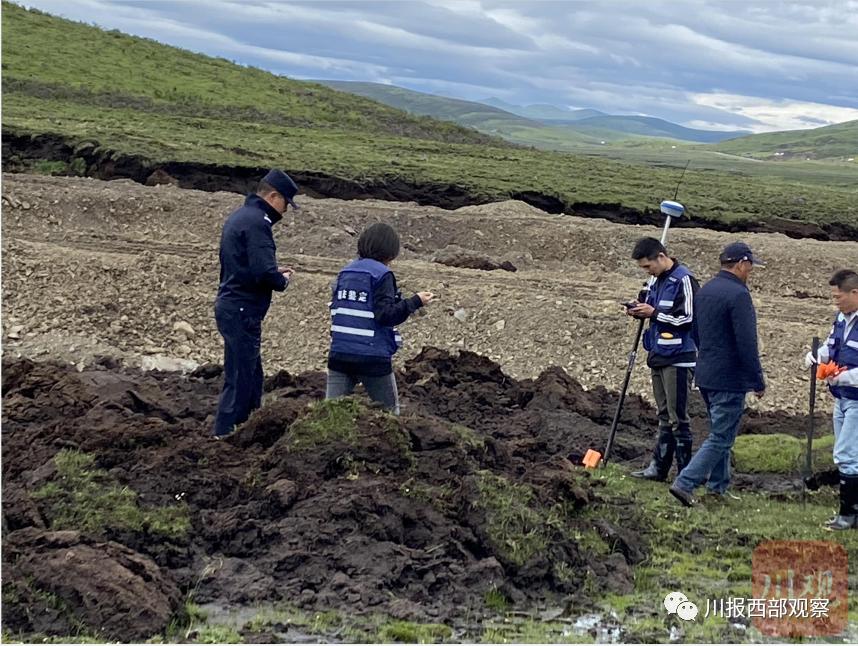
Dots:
pixel 842 348
pixel 362 337
pixel 670 339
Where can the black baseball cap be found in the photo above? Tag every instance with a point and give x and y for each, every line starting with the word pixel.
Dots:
pixel 739 251
pixel 283 184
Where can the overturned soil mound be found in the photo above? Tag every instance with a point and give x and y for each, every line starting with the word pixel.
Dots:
pixel 112 480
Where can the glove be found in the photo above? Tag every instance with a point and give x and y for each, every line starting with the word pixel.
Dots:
pixel 810 360
pixel 836 379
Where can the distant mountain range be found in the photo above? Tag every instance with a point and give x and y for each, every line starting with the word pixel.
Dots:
pixel 543 111
pixel 540 125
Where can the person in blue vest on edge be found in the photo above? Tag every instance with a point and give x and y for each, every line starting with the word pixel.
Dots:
pixel 248 274
pixel 728 367
pixel 841 349
pixel 365 307
pixel 672 353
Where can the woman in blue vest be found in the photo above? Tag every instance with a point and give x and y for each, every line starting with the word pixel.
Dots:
pixel 365 307
pixel 842 349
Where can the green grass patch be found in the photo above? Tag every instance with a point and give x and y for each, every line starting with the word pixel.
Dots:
pixel 438 496
pixel 218 634
pixel 496 600
pixel 340 420
pixel 329 420
pixel 516 524
pixel 86 498
pixel 704 551
pixel 468 437
pixel 413 633
pixel 779 453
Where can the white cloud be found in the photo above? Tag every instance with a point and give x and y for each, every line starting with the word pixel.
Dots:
pixel 771 114
pixel 722 64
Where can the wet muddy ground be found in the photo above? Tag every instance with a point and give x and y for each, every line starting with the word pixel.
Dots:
pixel 474 493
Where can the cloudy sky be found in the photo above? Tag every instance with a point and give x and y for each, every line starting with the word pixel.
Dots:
pixel 760 65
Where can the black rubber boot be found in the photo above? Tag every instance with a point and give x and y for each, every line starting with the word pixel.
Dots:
pixel 683 454
pixel 662 457
pixel 847 518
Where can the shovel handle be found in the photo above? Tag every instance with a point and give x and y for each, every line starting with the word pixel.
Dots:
pixel 808 461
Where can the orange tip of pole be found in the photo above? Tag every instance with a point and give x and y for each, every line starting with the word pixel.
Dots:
pixel 591 459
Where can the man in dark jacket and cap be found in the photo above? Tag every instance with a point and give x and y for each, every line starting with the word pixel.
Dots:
pixel 248 274
pixel 728 367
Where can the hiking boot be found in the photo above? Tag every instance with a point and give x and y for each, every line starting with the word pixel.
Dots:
pixel 685 497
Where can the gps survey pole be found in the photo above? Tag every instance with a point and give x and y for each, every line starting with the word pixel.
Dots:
pixel 672 210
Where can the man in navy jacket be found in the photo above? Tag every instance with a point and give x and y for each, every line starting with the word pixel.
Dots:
pixel 728 367
pixel 672 353
pixel 248 274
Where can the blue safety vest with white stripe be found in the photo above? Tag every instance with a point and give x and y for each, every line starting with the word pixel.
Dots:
pixel 353 326
pixel 673 336
pixel 844 352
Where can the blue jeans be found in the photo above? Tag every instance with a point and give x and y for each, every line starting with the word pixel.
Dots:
pixel 846 436
pixel 380 389
pixel 712 461
pixel 242 366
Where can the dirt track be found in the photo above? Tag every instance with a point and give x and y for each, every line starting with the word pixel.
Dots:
pixel 108 268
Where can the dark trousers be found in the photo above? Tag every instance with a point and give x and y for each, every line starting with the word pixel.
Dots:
pixel 671 386
pixel 711 463
pixel 380 389
pixel 242 366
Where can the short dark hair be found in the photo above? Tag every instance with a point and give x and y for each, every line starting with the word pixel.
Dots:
pixel 729 264
pixel 845 280
pixel 648 248
pixel 264 188
pixel 379 241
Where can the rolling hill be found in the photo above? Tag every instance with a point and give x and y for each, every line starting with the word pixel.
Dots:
pixel 839 141
pixel 543 111
pixel 81 100
pixel 523 125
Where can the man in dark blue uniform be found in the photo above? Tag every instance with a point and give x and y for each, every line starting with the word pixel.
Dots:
pixel 248 274
pixel 728 367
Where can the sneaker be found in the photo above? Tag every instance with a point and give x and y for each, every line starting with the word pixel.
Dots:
pixel 685 497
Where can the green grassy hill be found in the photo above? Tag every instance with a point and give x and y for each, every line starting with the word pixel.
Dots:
pixel 137 97
pixel 467 113
pixel 53 61
pixel 485 118
pixel 652 127
pixel 544 125
pixel 839 141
